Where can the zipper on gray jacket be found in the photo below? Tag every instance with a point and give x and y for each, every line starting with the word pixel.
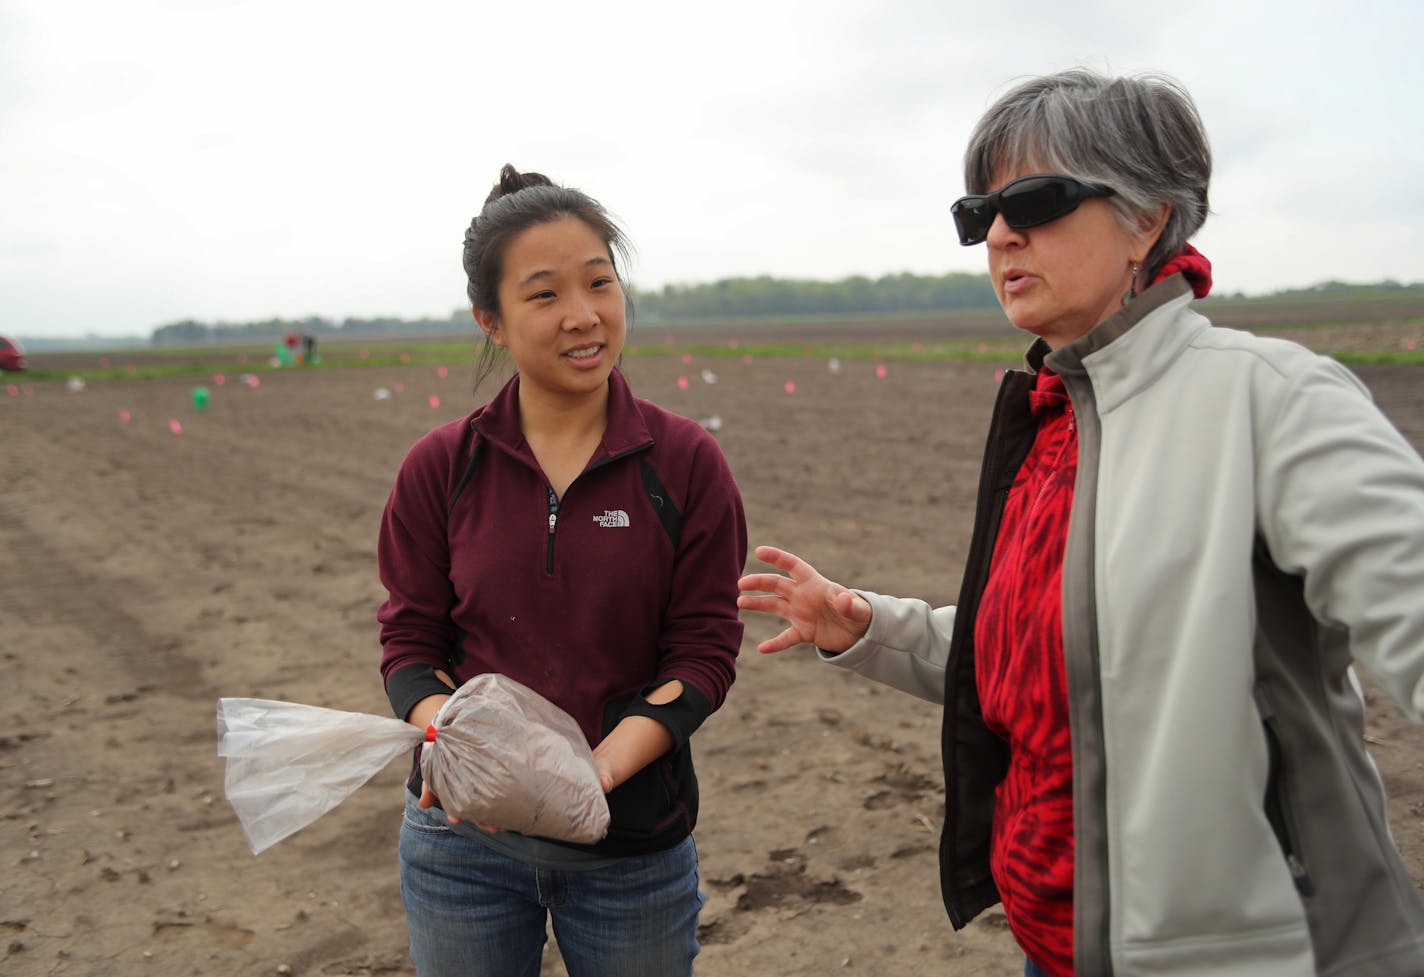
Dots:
pixel 1280 811
pixel 1093 954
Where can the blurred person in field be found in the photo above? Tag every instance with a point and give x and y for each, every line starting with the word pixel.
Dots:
pixel 586 543
pixel 1153 739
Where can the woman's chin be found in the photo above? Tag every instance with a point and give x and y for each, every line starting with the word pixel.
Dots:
pixel 1025 321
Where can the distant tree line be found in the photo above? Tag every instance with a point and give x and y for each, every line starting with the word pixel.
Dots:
pixel 764 296
pixel 192 333
pixel 729 298
pixel 761 297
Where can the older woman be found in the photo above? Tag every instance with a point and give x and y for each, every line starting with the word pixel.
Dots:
pixel 1185 536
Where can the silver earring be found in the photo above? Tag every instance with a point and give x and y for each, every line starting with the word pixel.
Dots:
pixel 1132 289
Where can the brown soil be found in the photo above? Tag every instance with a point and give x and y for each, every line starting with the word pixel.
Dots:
pixel 148 573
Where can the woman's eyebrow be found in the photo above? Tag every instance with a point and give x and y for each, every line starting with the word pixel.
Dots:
pixel 547 272
pixel 535 276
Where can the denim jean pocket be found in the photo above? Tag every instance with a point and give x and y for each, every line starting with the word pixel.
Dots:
pixel 419 818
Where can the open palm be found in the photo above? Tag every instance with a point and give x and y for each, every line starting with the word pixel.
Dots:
pixel 817 611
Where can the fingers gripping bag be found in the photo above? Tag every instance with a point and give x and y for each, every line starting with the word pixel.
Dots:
pixel 498 753
pixel 502 755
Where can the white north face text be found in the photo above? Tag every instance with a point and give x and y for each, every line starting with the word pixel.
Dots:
pixel 612 519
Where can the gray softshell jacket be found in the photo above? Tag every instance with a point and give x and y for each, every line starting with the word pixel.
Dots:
pixel 1246 525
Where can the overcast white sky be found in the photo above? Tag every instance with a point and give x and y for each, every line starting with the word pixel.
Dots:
pixel 230 160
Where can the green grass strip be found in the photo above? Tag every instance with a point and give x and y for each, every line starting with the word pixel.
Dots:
pixel 131 365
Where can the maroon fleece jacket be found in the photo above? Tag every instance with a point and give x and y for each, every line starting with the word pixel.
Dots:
pixel 628 582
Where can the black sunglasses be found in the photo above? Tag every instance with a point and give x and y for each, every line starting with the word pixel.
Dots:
pixel 1026 202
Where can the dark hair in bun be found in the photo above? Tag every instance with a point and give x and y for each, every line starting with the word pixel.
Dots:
pixel 517 202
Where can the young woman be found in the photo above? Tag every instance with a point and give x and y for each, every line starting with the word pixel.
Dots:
pixel 585 543
pixel 1153 738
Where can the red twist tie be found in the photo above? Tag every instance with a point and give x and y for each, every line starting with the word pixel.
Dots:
pixel 430 734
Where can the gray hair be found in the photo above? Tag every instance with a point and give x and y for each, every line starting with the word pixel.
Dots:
pixel 1140 135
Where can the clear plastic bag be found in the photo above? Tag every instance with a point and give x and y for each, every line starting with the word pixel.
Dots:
pixel 288 764
pixel 503 755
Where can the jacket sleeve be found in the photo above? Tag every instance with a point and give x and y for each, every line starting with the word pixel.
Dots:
pixel 906 646
pixel 702 629
pixel 1341 505
pixel 413 560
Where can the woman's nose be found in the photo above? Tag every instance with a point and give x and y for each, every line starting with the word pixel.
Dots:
pixel 580 315
pixel 1001 234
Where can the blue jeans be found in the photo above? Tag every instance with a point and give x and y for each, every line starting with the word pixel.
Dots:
pixel 474 912
pixel 1032 969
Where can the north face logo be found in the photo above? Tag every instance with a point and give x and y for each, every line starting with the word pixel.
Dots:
pixel 612 519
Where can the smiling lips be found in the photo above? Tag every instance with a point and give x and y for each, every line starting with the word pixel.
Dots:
pixel 584 354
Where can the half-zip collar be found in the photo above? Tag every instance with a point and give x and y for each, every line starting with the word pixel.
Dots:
pixel 625 433
pixel 498 422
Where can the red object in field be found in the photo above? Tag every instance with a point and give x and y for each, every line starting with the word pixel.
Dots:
pixel 12 357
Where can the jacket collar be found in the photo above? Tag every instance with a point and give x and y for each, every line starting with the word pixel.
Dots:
pixel 498 420
pixel 1128 350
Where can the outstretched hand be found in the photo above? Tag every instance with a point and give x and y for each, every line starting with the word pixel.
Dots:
pixel 816 610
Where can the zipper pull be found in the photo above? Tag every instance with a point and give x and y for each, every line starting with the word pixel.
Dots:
pixel 1303 882
pixel 553 520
